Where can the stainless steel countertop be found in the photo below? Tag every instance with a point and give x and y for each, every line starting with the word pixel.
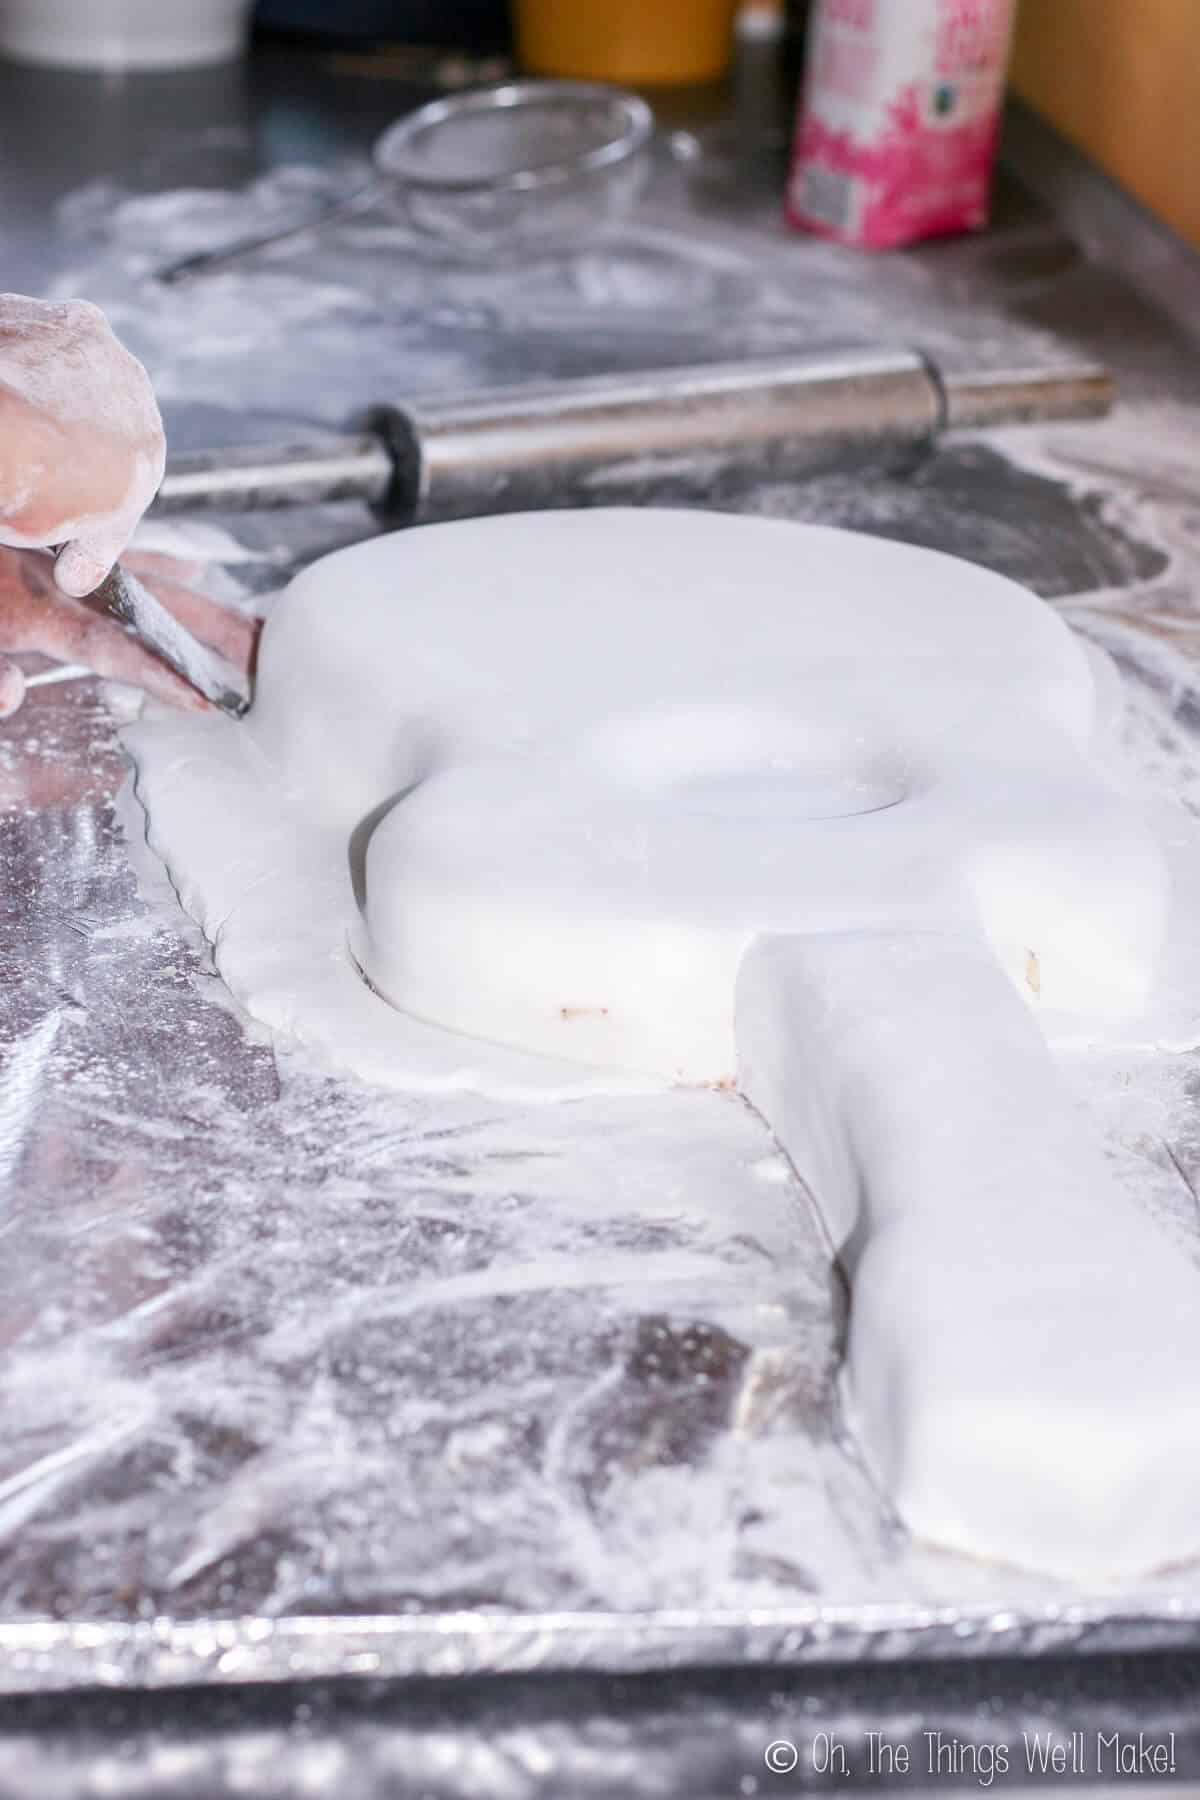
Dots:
pixel 305 1384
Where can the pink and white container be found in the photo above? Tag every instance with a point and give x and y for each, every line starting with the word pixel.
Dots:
pixel 899 119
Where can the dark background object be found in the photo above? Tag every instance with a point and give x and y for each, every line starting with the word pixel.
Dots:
pixel 475 25
pixel 795 39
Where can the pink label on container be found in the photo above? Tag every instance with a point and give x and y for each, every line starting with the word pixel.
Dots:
pixel 900 118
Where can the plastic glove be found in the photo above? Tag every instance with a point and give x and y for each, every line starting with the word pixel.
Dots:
pixel 81 457
pixel 81 440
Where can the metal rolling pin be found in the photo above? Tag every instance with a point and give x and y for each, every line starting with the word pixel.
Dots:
pixel 615 437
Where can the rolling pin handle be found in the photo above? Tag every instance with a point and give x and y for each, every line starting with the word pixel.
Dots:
pixel 253 479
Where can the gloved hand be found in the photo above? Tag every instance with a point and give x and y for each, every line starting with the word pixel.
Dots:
pixel 81 456
pixel 81 441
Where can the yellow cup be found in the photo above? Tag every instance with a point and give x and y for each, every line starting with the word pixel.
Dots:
pixel 639 42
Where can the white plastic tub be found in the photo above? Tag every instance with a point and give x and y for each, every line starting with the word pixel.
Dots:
pixel 124 34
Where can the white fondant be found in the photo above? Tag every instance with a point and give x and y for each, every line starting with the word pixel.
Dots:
pixel 1021 1356
pixel 615 769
